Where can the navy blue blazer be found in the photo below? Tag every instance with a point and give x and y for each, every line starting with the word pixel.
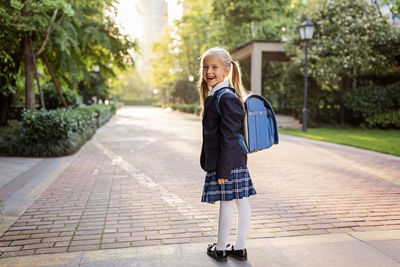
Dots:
pixel 221 150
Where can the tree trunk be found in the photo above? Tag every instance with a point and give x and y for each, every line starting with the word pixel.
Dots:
pixel 5 105
pixel 344 85
pixel 53 77
pixel 29 80
pixel 42 104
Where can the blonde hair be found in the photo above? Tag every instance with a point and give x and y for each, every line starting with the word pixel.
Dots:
pixel 235 76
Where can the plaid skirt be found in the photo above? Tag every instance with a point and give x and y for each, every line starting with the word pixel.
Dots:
pixel 239 185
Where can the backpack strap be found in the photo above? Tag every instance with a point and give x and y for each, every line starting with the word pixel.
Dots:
pixel 221 93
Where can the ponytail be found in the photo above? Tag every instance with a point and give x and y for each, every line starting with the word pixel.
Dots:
pixel 236 81
pixel 203 89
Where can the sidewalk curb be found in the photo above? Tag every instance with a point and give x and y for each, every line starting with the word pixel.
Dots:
pixel 343 249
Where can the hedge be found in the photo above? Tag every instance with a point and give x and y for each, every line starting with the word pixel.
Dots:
pixel 53 100
pixel 60 132
pixel 377 105
pixel 138 102
pixel 188 108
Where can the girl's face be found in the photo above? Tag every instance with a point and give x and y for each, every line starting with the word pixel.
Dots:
pixel 214 70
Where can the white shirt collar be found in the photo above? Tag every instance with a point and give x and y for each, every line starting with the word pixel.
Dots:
pixel 218 86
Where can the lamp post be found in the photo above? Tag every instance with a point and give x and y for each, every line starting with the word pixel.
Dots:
pixel 306 33
pixel 96 69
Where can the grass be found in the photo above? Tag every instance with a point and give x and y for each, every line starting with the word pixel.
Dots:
pixel 385 141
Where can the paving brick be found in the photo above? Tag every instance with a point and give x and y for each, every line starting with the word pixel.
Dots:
pixel 345 224
pixel 176 241
pixel 13 237
pixel 146 243
pixel 5 243
pixel 118 235
pixel 295 227
pixel 51 250
pixel 306 193
pixel 38 245
pixel 116 245
pixel 7 249
pixel 83 248
pixel 62 244
pixel 56 239
pixel 86 237
pixel 26 242
pixel 320 226
pixel 85 242
pixel 286 234
pixel 18 253
pixel 87 232
pixel 26 227
pixel 314 232
pixel 339 230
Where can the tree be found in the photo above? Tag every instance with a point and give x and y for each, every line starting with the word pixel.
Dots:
pixel 240 21
pixel 90 37
pixel 163 63
pixel 351 39
pixel 394 6
pixel 32 21
pixel 72 35
pixel 177 53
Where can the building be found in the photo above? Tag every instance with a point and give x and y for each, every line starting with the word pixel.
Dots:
pixel 154 19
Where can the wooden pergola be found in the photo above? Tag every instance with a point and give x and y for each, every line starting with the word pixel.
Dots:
pixel 257 51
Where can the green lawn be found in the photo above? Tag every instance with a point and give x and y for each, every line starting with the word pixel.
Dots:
pixel 385 141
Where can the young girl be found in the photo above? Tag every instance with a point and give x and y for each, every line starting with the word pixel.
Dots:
pixel 227 179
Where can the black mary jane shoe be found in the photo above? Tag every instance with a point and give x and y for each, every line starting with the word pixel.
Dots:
pixel 240 254
pixel 219 255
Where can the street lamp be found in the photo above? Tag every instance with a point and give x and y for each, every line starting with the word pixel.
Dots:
pixel 96 69
pixel 306 33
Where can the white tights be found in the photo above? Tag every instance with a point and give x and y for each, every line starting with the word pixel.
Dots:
pixel 225 223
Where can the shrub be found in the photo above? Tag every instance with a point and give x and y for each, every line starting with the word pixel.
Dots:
pixel 385 120
pixel 102 112
pixel 52 100
pixel 378 105
pixel 188 108
pixel 59 132
pixel 138 102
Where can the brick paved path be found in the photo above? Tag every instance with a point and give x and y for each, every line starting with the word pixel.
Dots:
pixel 138 182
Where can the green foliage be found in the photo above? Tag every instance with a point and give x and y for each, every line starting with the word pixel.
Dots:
pixel 389 119
pixel 184 91
pixel 136 102
pixel 10 57
pixel 102 112
pixel 321 104
pixel 82 34
pixel 240 21
pixel 53 100
pixel 385 141
pixel 131 85
pixel 341 29
pixel 48 133
pixel 187 108
pixel 378 105
pixel 90 37
pixel 337 63
pixel 176 54
pixel 394 6
pixel 53 125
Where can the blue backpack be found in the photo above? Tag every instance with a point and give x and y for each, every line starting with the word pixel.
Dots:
pixel 260 128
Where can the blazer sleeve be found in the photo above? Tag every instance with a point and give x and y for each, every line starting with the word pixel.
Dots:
pixel 231 120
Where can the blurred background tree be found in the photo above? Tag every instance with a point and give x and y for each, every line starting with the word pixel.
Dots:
pixel 68 38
